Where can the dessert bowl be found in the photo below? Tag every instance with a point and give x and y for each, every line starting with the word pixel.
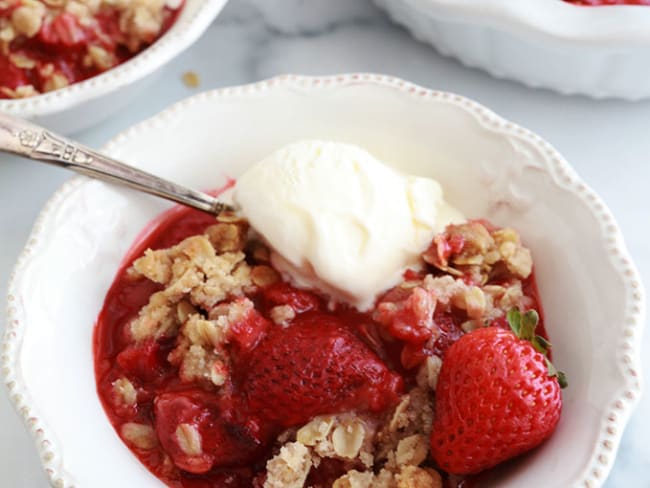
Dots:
pixel 488 167
pixel 596 51
pixel 83 104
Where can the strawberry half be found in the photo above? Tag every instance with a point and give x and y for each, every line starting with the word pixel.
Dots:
pixel 498 396
pixel 316 366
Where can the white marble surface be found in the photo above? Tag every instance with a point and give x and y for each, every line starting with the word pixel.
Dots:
pixel 607 142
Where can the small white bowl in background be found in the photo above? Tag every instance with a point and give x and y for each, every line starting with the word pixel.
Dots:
pixel 596 51
pixel 84 104
pixel 489 167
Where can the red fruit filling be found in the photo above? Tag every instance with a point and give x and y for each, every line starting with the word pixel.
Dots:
pixel 215 371
pixel 146 360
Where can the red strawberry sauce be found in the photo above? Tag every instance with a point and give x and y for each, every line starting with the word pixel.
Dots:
pixel 220 420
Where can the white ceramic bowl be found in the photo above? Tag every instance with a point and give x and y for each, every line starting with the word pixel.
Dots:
pixel 596 51
pixel 488 166
pixel 84 104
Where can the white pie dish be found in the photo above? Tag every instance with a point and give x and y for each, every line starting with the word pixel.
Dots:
pixel 596 51
pixel 489 168
pixel 84 104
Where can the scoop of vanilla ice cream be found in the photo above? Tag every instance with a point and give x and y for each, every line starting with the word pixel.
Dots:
pixel 339 220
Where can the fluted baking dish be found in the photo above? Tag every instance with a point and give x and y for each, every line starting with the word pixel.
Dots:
pixel 596 51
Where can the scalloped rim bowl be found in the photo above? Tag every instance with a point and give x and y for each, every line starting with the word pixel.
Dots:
pixel 557 19
pixel 489 167
pixel 86 103
pixel 542 43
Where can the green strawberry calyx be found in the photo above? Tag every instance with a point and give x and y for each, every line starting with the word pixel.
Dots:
pixel 523 326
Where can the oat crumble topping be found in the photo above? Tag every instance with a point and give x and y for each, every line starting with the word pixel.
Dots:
pixel 125 392
pixel 290 468
pixel 139 435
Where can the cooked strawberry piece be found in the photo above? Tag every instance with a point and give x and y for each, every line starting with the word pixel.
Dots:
pixel 496 398
pixel 449 333
pixel 63 31
pixel 413 354
pixel 316 366
pixel 408 314
pixel 179 420
pixel 10 75
pixel 285 294
pixel 109 31
pixel 248 331
pixel 413 275
pixel 145 360
pixel 198 435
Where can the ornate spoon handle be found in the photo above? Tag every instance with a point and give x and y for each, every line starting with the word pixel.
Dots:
pixel 31 141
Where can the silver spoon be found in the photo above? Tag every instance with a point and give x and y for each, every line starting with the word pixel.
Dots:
pixel 28 140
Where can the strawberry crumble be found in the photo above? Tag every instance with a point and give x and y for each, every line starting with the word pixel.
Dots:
pixel 216 371
pixel 49 44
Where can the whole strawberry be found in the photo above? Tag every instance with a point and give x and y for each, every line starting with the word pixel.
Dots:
pixel 498 396
pixel 315 366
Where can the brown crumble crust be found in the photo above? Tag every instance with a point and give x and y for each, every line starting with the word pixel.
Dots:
pixel 485 253
pixel 398 447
